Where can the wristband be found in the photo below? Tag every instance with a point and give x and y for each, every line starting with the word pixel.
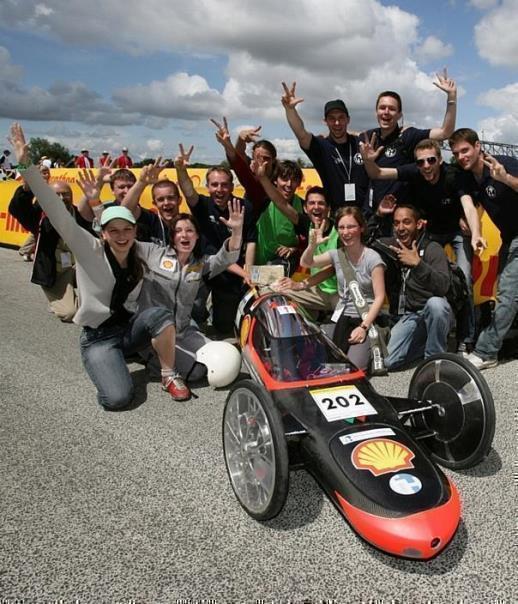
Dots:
pixel 364 327
pixel 451 102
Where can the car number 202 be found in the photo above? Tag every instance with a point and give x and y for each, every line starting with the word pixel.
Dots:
pixel 342 402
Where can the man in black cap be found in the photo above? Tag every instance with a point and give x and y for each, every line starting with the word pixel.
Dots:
pixel 336 157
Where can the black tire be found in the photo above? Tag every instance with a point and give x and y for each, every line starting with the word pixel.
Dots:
pixel 255 450
pixel 464 424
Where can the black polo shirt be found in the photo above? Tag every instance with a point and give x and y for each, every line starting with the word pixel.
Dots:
pixel 439 202
pixel 499 200
pixel 214 232
pixel 338 164
pixel 398 151
pixel 152 228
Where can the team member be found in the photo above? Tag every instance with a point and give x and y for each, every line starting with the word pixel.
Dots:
pixel 425 314
pixel 431 189
pixel 336 157
pixel 84 160
pixel 109 279
pixel 227 287
pixel 351 332
pixel 399 143
pixel 492 182
pixel 124 161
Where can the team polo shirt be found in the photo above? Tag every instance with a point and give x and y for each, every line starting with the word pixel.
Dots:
pixel 398 150
pixel 214 232
pixel 497 199
pixel 439 202
pixel 152 228
pixel 275 229
pixel 338 164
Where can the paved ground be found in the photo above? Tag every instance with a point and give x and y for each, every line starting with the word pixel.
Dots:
pixel 136 506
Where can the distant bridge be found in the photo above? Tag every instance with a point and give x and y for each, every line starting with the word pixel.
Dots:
pixel 492 148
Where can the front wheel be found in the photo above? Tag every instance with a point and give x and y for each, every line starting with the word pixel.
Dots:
pixel 255 450
pixel 459 430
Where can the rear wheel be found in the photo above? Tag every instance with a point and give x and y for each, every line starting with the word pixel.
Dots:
pixel 255 450
pixel 459 430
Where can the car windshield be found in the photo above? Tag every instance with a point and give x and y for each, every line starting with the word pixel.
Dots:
pixel 293 349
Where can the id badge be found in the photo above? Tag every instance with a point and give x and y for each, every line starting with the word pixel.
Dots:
pixel 66 259
pixel 349 192
pixel 401 304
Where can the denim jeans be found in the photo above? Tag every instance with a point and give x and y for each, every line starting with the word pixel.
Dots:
pixel 463 256
pixel 491 339
pixel 420 333
pixel 103 351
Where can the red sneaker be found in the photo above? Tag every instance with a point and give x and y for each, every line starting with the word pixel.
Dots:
pixel 176 387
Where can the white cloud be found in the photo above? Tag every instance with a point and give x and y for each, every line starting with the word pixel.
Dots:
pixel 155 146
pixel 433 49
pixel 502 99
pixel 503 127
pixel 498 129
pixel 495 34
pixel 483 4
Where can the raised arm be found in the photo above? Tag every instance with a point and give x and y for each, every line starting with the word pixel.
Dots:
pixel 450 88
pixel 248 135
pixel 258 168
pixel 498 172
pixel 290 101
pixel 308 258
pixel 478 243
pixel 91 187
pixel 223 138
pixel 184 180
pixel 149 175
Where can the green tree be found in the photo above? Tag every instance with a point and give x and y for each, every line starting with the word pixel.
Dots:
pixel 41 146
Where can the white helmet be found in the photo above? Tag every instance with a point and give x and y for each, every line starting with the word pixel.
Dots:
pixel 223 362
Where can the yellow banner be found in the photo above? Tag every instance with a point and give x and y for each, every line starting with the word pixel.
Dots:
pixel 12 233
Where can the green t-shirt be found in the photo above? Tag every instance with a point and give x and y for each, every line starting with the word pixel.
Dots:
pixel 329 286
pixel 273 230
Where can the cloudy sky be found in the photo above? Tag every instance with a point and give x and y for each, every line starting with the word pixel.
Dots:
pixel 149 73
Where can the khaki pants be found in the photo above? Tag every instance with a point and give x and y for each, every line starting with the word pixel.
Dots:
pixel 314 299
pixel 63 301
pixel 28 245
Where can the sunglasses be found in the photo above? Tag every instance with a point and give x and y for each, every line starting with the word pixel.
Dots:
pixel 430 160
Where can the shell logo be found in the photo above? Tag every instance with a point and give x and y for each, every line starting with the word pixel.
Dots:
pixel 167 264
pixel 382 456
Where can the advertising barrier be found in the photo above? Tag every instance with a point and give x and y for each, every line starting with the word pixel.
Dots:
pixel 12 233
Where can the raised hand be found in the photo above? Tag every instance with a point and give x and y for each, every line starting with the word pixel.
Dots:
pixel 236 215
pixel 183 158
pixel 18 143
pixel 89 184
pixel 409 256
pixel 250 135
pixel 258 167
pixel 496 169
pixel 289 99
pixel 150 174
pixel 368 148
pixel 222 133
pixel 316 235
pixel 445 83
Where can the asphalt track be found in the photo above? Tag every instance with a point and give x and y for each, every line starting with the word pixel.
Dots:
pixel 136 507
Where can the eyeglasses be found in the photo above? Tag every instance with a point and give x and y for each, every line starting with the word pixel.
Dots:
pixel 167 198
pixel 430 160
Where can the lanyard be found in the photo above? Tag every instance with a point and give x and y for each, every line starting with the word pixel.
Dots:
pixel 341 161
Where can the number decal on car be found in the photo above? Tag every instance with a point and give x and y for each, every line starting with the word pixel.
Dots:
pixel 342 402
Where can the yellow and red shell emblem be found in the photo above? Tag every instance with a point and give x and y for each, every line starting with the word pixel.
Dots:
pixel 382 456
pixel 245 330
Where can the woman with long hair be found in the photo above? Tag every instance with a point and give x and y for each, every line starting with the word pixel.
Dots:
pixel 351 331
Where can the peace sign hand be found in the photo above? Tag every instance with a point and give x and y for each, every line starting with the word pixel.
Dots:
pixel 496 169
pixel 222 133
pixel 150 174
pixel 289 99
pixel 445 83
pixel 250 135
pixel 182 160
pixel 368 149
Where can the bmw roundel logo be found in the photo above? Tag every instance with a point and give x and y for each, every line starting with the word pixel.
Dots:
pixel 405 484
pixel 390 152
pixel 491 191
pixel 358 159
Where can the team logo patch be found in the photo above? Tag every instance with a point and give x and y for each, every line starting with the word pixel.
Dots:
pixel 382 456
pixel 358 159
pixel 491 191
pixel 405 484
pixel 167 264
pixel 390 152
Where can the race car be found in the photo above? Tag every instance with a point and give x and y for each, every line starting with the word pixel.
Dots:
pixel 306 405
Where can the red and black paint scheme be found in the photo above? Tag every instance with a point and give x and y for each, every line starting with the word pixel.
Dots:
pixel 374 456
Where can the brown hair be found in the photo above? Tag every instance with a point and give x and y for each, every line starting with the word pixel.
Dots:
pixel 356 213
pixel 464 135
pixel 197 253
pixel 428 143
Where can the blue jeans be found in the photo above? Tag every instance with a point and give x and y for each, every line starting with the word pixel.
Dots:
pixel 424 332
pixel 103 351
pixel 491 339
pixel 464 256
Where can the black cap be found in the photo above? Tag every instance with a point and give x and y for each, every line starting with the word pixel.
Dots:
pixel 336 104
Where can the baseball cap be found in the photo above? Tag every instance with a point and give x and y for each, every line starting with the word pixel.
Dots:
pixel 84 150
pixel 336 104
pixel 116 212
pixel 124 148
pixel 105 153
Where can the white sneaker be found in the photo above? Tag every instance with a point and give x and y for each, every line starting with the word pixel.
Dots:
pixel 479 363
